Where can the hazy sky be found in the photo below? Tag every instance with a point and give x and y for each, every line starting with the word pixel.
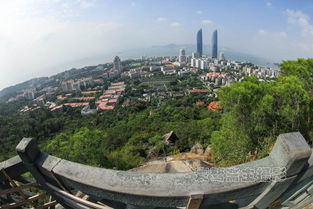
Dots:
pixel 39 35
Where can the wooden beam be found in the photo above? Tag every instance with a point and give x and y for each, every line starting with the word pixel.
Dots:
pixel 28 200
pixel 59 182
pixel 19 188
pixel 194 201
pixel 46 205
pixel 13 183
pixel 76 199
pixel 51 199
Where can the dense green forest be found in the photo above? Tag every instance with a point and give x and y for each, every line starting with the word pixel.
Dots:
pixel 257 112
pixel 125 141
pixel 121 138
pixel 254 114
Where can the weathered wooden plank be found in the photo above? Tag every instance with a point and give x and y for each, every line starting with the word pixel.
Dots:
pixel 76 199
pixel 24 180
pixel 46 205
pixel 21 203
pixel 19 188
pixel 194 201
pixel 13 183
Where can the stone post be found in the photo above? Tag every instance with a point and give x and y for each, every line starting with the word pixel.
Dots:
pixel 28 151
pixel 290 154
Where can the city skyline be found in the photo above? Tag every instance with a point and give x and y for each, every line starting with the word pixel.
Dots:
pixel 41 38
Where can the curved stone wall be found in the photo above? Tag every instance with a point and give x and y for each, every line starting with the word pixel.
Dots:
pixel 284 178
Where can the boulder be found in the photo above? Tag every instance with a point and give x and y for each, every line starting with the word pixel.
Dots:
pixel 208 152
pixel 197 149
pixel 170 138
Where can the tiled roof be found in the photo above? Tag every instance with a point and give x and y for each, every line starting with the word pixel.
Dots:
pixel 112 101
pixel 106 96
pixel 109 92
pixel 56 108
pixel 83 98
pixel 214 106
pixel 78 104
pixel 90 92
pixel 105 106
pixel 198 91
pixel 199 103
pixel 117 84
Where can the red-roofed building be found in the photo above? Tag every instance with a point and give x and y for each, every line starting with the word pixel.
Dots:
pixel 109 92
pixel 56 108
pixel 117 88
pixel 169 72
pixel 111 74
pixel 198 91
pixel 109 107
pixel 194 70
pixel 104 106
pixel 199 103
pixel 120 90
pixel 84 98
pixel 214 106
pixel 107 96
pixel 81 104
pixel 117 84
pixel 90 92
pixel 61 97
pixel 112 101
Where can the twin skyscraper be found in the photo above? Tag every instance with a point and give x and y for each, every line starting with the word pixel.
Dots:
pixel 200 44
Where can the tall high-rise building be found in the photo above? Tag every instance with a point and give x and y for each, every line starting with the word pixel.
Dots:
pixel 29 94
pixel 199 43
pixel 68 85
pixel 222 56
pixel 182 52
pixel 214 44
pixel 194 55
pixel 182 56
pixel 117 64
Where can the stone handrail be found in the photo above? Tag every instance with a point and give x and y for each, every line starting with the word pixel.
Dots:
pixel 283 178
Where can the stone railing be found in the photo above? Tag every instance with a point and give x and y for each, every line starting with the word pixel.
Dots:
pixel 284 179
